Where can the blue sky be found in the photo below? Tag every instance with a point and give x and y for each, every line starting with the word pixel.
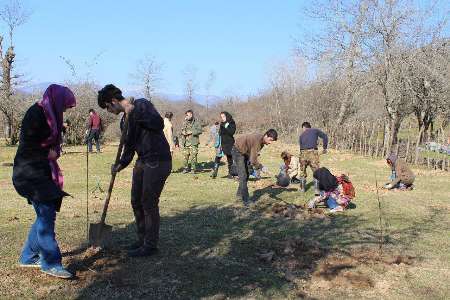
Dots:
pixel 236 39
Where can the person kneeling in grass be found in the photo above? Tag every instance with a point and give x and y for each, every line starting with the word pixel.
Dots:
pixel 288 170
pixel 245 150
pixel 402 177
pixel 335 192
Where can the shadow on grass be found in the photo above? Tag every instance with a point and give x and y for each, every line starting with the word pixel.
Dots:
pixel 213 252
pixel 271 191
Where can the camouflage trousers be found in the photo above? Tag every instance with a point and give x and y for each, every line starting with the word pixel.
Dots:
pixel 190 156
pixel 308 158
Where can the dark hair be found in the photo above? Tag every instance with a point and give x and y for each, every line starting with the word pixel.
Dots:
pixel 189 111
pixel 228 116
pixel 168 115
pixel 285 155
pixel 306 125
pixel 272 133
pixel 106 94
pixel 91 110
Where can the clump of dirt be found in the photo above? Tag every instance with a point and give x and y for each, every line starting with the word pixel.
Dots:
pixel 281 209
pixel 316 267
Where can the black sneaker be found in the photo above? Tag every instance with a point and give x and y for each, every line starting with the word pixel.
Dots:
pixel 186 170
pixel 143 252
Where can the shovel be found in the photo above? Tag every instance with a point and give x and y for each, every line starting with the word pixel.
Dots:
pixel 100 233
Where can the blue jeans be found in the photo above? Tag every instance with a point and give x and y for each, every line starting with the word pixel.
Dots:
pixel 41 241
pixel 332 203
pixel 94 134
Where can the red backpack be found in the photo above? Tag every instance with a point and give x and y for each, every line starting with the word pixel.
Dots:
pixel 347 186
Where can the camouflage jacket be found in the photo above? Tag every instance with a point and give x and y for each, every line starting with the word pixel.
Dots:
pixel 190 133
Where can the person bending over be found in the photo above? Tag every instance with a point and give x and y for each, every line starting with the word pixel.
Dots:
pixel 309 155
pixel 401 177
pixel 154 163
pixel 335 192
pixel 245 150
pixel 288 170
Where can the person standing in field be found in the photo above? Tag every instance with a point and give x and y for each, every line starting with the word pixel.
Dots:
pixel 145 136
pixel 245 151
pixel 190 139
pixel 309 154
pixel 226 136
pixel 94 130
pixel 168 131
pixel 38 178
pixel 213 131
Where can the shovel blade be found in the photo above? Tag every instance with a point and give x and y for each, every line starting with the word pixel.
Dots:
pixel 100 235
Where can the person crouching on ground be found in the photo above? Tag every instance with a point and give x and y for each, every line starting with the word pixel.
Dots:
pixel 331 192
pixel 190 139
pixel 154 163
pixel 402 177
pixel 246 149
pixel 38 178
pixel 288 170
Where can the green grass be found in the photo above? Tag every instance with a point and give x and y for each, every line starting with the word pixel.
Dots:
pixel 210 245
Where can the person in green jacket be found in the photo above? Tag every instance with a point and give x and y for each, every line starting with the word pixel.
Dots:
pixel 190 140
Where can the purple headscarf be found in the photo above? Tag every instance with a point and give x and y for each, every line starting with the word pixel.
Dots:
pixel 56 100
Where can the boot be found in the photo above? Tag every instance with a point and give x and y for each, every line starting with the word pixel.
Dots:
pixel 316 187
pixel 216 169
pixel 143 251
pixel 194 167
pixel 302 187
pixel 137 244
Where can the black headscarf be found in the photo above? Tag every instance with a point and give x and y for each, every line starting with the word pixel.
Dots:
pixel 327 181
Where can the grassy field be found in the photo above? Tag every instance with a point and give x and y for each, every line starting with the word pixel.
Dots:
pixel 213 248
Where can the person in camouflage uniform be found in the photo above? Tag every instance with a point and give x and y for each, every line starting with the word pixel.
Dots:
pixel 190 140
pixel 309 154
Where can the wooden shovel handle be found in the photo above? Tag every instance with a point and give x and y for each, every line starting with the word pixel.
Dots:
pixel 113 176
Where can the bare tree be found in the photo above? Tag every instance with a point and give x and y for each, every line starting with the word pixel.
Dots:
pixel 340 45
pixel 208 84
pixel 190 74
pixel 148 75
pixel 396 28
pixel 13 15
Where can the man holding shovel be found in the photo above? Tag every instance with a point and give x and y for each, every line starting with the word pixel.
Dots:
pixel 145 136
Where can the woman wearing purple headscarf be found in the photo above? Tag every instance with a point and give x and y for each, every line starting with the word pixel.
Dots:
pixel 38 178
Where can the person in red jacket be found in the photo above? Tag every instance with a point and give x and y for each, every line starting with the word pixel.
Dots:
pixel 94 130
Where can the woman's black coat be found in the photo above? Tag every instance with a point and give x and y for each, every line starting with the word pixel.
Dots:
pixel 32 176
pixel 227 134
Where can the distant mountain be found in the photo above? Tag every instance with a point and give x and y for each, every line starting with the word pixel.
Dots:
pixel 200 99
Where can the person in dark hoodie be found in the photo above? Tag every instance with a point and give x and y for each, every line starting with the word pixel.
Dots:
pixel 145 136
pixel 402 177
pixel 38 178
pixel 309 154
pixel 331 193
pixel 226 142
